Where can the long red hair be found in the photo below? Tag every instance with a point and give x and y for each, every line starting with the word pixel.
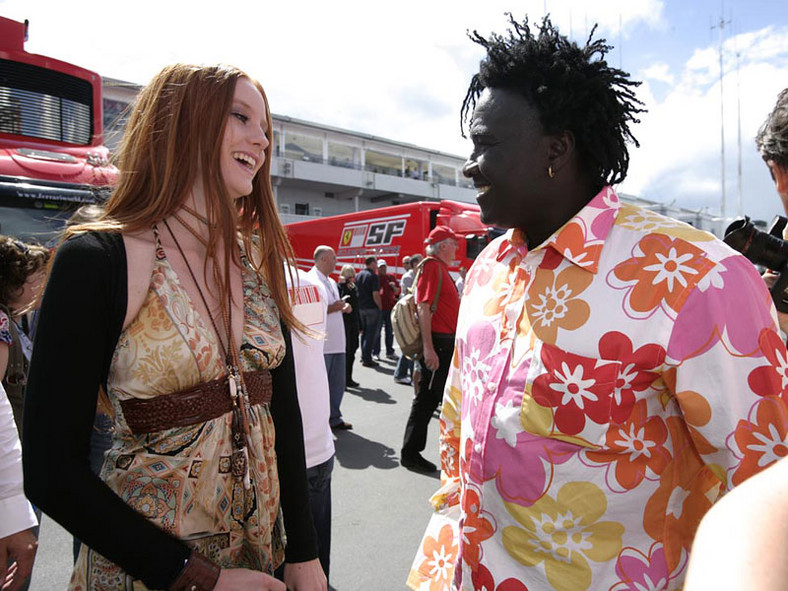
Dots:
pixel 173 135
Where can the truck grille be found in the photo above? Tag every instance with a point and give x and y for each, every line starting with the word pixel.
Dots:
pixel 40 103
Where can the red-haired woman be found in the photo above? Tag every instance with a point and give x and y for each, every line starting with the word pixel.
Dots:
pixel 175 303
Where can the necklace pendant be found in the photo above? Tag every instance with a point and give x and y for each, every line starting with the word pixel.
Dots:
pixel 240 465
pixel 233 389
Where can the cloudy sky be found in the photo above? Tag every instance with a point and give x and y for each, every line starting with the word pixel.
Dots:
pixel 400 69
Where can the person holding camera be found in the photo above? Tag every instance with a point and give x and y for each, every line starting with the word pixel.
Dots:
pixel 757 511
pixel 772 142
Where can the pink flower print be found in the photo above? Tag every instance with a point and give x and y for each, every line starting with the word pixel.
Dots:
pixel 639 572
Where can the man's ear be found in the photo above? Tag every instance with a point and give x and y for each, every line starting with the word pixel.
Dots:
pixel 780 176
pixel 560 148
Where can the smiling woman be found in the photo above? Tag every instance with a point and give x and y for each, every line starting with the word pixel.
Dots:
pixel 176 297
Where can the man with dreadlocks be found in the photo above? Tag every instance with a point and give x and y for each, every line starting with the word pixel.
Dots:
pixel 615 371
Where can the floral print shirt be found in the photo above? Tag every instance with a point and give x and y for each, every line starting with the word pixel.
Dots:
pixel 607 387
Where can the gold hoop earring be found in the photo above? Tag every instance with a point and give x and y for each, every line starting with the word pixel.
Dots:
pixel 550 172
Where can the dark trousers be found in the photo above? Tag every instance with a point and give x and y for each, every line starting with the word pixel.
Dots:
pixel 385 325
pixel 370 317
pixel 351 345
pixel 319 479
pixel 427 399
pixel 319 483
pixel 100 442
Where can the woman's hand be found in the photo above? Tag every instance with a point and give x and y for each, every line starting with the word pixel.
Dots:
pixel 243 579
pixel 305 576
pixel 18 551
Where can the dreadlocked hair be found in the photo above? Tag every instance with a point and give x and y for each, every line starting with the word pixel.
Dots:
pixel 571 87
pixel 772 138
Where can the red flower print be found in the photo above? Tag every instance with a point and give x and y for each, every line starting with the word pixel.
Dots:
pixel 761 439
pixel 476 527
pixel 634 450
pixel 511 584
pixel 576 387
pixel 772 379
pixel 636 373
pixel 482 579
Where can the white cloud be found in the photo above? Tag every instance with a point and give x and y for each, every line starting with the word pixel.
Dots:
pixel 680 136
pixel 659 72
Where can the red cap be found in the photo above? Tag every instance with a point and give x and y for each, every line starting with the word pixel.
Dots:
pixel 440 233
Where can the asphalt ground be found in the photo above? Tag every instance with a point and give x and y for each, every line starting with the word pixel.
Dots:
pixel 380 509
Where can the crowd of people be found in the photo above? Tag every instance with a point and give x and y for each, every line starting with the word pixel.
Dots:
pixel 604 373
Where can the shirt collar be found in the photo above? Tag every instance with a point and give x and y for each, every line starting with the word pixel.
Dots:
pixel 579 240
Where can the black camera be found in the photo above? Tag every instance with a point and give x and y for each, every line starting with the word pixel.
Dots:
pixel 767 249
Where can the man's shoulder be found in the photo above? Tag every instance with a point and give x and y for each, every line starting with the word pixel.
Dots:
pixel 643 223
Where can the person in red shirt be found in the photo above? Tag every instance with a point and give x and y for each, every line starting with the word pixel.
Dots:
pixel 389 292
pixel 437 330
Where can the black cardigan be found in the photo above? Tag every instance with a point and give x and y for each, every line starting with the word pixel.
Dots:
pixel 81 318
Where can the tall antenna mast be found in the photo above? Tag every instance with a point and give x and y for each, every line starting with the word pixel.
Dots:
pixel 721 26
pixel 738 122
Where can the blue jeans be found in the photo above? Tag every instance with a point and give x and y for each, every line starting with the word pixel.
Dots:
pixel 404 368
pixel 335 368
pixel 385 323
pixel 370 317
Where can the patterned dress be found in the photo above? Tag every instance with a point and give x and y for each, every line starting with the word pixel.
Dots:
pixel 180 478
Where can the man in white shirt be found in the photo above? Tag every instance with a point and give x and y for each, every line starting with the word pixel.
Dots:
pixel 17 543
pixel 309 307
pixel 334 346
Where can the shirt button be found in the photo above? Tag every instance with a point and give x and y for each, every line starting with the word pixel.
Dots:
pixel 477 448
pixel 491 387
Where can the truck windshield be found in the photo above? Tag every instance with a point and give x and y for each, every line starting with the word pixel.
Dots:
pixel 37 225
pixel 474 245
pixel 45 104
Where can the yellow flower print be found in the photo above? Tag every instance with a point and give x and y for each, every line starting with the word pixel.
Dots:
pixel 636 218
pixel 564 533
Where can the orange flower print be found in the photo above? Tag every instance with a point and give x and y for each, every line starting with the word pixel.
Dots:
pixel 760 440
pixel 634 450
pixel 686 491
pixel 507 286
pixel 439 558
pixel 476 527
pixel 572 243
pixel 659 274
pixel 553 301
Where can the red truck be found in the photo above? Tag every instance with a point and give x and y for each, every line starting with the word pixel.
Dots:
pixel 390 233
pixel 52 157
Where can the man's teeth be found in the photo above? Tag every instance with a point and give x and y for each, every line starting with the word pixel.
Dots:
pixel 245 158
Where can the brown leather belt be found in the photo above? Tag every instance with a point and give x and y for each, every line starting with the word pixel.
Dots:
pixel 201 403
